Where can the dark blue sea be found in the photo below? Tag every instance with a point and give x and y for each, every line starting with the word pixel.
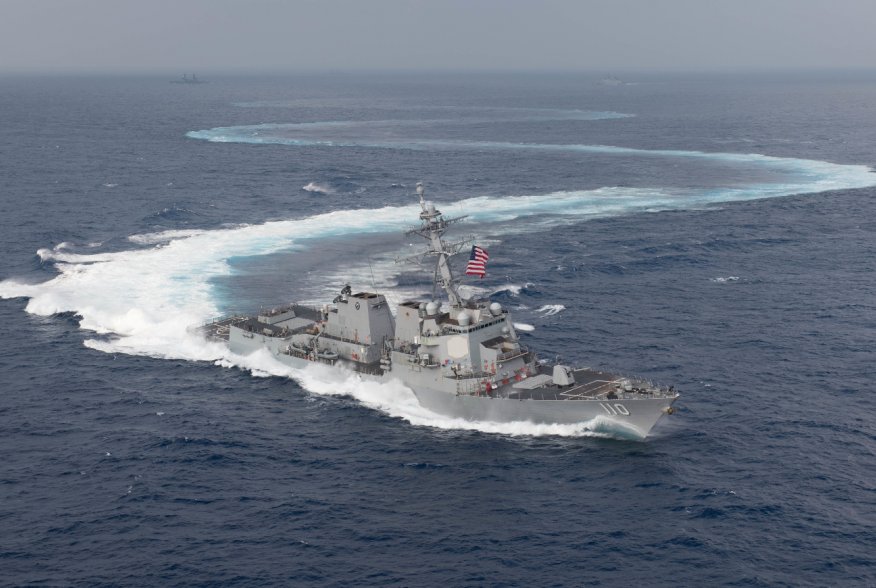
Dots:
pixel 717 233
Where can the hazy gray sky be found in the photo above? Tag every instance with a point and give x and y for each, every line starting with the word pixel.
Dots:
pixel 270 35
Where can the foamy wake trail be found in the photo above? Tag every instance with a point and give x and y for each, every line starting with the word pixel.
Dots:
pixel 143 300
pixel 148 296
pixel 815 176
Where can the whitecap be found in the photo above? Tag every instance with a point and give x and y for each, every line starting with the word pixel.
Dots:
pixel 163 236
pixel 316 188
pixel 512 289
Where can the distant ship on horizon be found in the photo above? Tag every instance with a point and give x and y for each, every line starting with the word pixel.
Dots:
pixel 611 80
pixel 188 80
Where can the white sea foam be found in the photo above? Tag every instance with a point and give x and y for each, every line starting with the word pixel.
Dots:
pixel 551 309
pixel 723 280
pixel 149 296
pixel 59 254
pixel 316 188
pixel 163 236
pixel 523 327
pixel 512 289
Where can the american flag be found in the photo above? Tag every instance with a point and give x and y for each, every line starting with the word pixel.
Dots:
pixel 477 262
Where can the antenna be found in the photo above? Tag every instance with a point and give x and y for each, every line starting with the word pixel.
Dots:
pixel 421 191
pixel 432 227
pixel 373 285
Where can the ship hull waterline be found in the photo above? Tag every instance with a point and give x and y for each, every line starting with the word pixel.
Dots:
pixel 629 417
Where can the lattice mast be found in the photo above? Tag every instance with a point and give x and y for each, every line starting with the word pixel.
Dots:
pixel 433 228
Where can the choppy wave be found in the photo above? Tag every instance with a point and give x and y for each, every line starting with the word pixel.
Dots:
pixel 722 280
pixel 551 309
pixel 317 188
pixel 511 289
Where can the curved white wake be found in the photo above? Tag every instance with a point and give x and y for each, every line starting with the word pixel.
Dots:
pixel 828 176
pixel 146 298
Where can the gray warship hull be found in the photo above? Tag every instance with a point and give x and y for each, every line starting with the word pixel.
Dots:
pixel 461 358
pixel 595 400
pixel 637 416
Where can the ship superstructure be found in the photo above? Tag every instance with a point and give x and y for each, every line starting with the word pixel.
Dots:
pixel 462 358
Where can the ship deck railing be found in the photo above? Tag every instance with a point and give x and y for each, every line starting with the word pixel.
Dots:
pixel 509 355
pixel 593 385
pixel 613 386
pixel 295 352
pixel 589 389
pixel 219 319
pixel 277 310
pixel 474 385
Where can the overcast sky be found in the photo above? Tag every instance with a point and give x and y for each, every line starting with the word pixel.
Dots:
pixel 296 35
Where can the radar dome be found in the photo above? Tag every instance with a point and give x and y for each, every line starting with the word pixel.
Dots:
pixel 431 308
pixel 463 319
pixel 495 309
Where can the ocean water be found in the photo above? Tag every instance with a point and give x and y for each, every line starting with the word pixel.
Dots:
pixel 716 233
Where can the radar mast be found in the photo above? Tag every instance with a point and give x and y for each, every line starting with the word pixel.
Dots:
pixel 433 227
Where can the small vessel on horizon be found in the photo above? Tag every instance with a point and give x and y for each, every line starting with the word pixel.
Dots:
pixel 461 357
pixel 611 80
pixel 189 80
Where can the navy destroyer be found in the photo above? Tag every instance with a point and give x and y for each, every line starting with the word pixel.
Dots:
pixel 461 356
